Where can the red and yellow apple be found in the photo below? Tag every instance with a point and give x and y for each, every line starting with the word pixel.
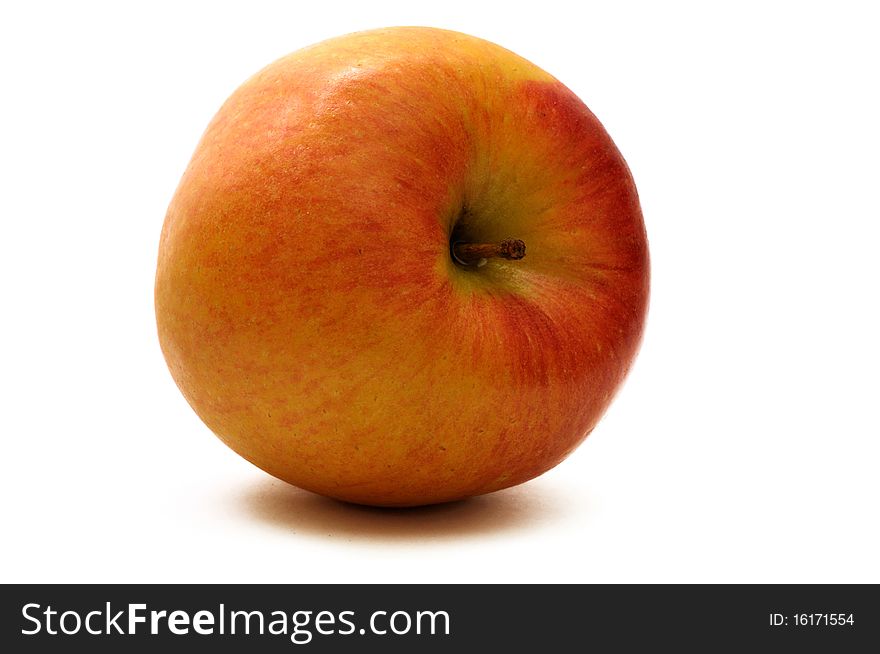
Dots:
pixel 341 292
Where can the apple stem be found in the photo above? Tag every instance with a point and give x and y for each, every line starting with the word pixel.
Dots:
pixel 470 254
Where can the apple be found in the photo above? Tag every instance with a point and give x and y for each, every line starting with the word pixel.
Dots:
pixel 404 266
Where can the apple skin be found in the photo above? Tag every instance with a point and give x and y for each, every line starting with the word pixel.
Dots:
pixel 306 300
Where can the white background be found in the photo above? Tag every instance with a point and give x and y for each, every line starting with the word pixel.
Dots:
pixel 744 446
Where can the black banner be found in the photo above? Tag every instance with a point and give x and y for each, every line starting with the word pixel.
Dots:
pixel 436 618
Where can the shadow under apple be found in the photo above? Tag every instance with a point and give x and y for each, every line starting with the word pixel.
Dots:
pixel 530 506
